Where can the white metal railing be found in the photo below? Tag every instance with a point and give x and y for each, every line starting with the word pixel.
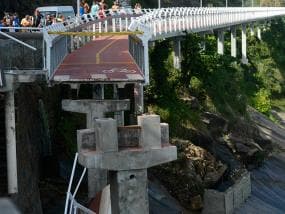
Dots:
pixel 172 21
pixel 21 29
pixel 71 205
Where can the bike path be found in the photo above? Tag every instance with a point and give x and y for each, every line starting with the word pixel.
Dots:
pixel 105 59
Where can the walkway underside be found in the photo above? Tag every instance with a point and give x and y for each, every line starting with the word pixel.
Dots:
pixel 107 59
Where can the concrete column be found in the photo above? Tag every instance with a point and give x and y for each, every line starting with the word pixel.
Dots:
pixel 177 54
pixel 233 42
pixel 243 45
pixel 252 29
pixel 146 61
pixel 11 142
pixel 97 178
pixel 129 192
pixel 98 91
pixel 259 33
pixel 221 42
pixel 119 116
pixel 138 97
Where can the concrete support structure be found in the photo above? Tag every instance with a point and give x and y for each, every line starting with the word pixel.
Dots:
pixel 259 33
pixel 118 116
pixel 146 61
pixel 139 98
pixel 95 109
pixel 252 29
pixel 243 44
pixel 11 142
pixel 221 42
pixel 127 152
pixel 177 54
pixel 233 42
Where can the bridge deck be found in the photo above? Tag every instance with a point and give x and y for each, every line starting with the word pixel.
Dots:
pixel 106 59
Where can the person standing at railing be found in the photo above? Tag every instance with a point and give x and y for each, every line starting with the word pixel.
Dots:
pixel 95 9
pixel 37 19
pixel 86 7
pixel 138 8
pixel 101 13
pixel 81 8
pixel 103 4
pixel 26 21
pixel 16 21
pixel 115 8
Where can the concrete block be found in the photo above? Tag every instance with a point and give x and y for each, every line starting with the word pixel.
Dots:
pixel 106 135
pixel 229 201
pixel 213 202
pixel 129 192
pixel 164 133
pixel 151 131
pixel 233 197
pixel 238 195
pixel 129 136
pixel 86 139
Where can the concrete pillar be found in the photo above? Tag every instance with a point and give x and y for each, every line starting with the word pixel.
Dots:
pixel 233 42
pixel 119 116
pixel 177 54
pixel 243 44
pixel 252 29
pixel 146 61
pixel 11 142
pixel 221 42
pixel 98 91
pixel 138 97
pixel 259 33
pixel 129 192
pixel 97 178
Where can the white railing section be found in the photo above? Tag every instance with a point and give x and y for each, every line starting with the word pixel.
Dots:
pixel 21 29
pixel 71 205
pixel 168 22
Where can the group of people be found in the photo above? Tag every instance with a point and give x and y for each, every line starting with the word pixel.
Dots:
pixel 37 20
pixel 99 8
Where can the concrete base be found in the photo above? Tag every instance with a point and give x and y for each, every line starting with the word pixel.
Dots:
pixel 129 192
pixel 225 202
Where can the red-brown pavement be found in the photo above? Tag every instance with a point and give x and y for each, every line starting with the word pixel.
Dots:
pixel 105 59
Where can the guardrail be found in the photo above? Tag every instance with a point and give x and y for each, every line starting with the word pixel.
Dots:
pixel 71 205
pixel 21 29
pixel 172 21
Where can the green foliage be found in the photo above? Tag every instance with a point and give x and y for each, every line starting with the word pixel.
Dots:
pixel 261 101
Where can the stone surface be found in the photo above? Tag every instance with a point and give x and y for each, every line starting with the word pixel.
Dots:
pixel 86 139
pixel 129 192
pixel 151 131
pixel 106 135
pixel 129 136
pixel 128 159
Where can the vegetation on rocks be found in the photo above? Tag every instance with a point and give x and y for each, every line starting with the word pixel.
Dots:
pixel 209 82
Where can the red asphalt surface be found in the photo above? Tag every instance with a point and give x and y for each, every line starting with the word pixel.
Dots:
pixel 104 59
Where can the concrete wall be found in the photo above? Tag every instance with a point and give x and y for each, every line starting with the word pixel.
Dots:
pixel 226 202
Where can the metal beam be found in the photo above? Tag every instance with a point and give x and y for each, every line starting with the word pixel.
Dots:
pixel 17 40
pixel 95 33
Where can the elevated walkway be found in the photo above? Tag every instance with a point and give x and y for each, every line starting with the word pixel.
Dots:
pixel 105 59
